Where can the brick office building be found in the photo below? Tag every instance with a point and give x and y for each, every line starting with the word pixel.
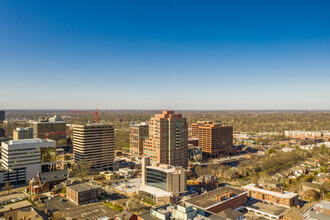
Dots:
pixel 219 200
pixel 195 127
pixel 216 140
pixel 283 198
pixel 81 193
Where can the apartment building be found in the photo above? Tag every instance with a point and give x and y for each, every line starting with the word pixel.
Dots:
pixel 24 159
pixel 216 140
pixel 138 133
pixel 52 124
pixel 167 142
pixel 22 133
pixel 94 143
pixel 283 198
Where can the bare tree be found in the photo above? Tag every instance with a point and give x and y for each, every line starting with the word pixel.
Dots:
pixel 134 205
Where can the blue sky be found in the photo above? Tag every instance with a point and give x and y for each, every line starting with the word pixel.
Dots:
pixel 161 54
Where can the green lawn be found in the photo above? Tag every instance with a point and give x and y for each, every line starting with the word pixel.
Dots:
pixel 114 207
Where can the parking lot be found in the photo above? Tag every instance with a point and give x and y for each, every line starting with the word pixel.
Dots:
pixel 55 204
pixel 14 197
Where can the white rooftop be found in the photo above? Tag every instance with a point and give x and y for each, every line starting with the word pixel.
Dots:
pixel 285 194
pixel 129 186
pixel 155 191
pixel 26 141
pixel 164 168
pixel 323 204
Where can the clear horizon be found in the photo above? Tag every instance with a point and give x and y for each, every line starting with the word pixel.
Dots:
pixel 151 55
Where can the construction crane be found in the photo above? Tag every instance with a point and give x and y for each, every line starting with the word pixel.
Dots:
pixel 52 132
pixel 96 112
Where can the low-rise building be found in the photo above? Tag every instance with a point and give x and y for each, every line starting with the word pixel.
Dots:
pixel 182 212
pixel 44 182
pixel 81 193
pixel 319 211
pixel 193 141
pixel 265 209
pixel 126 215
pixel 108 175
pixel 26 213
pixel 127 172
pixel 219 200
pixel 283 198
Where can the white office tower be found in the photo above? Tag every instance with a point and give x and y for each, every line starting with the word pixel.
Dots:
pixel 24 159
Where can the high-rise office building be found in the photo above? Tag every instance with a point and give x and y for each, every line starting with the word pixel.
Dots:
pixel 2 116
pixel 22 133
pixel 138 133
pixel 216 140
pixel 94 143
pixel 195 126
pixel 53 124
pixel 167 142
pixel 24 159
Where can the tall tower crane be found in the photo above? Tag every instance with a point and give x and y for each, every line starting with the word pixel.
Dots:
pixel 96 112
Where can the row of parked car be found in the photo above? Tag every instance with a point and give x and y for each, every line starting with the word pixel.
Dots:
pixel 11 201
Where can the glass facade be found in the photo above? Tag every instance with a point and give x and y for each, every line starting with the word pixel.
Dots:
pixel 47 154
pixel 156 178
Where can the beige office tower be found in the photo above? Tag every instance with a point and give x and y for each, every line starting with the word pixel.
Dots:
pixel 94 143
pixel 167 142
pixel 138 133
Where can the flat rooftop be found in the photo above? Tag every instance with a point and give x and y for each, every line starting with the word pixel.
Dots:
pixel 323 204
pixel 164 168
pixel 265 207
pixel 16 205
pixel 129 186
pixel 208 199
pixel 82 187
pixel 155 191
pixel 285 194
pixel 93 211
pixel 29 141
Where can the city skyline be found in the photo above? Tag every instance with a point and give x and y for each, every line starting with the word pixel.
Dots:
pixel 210 55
